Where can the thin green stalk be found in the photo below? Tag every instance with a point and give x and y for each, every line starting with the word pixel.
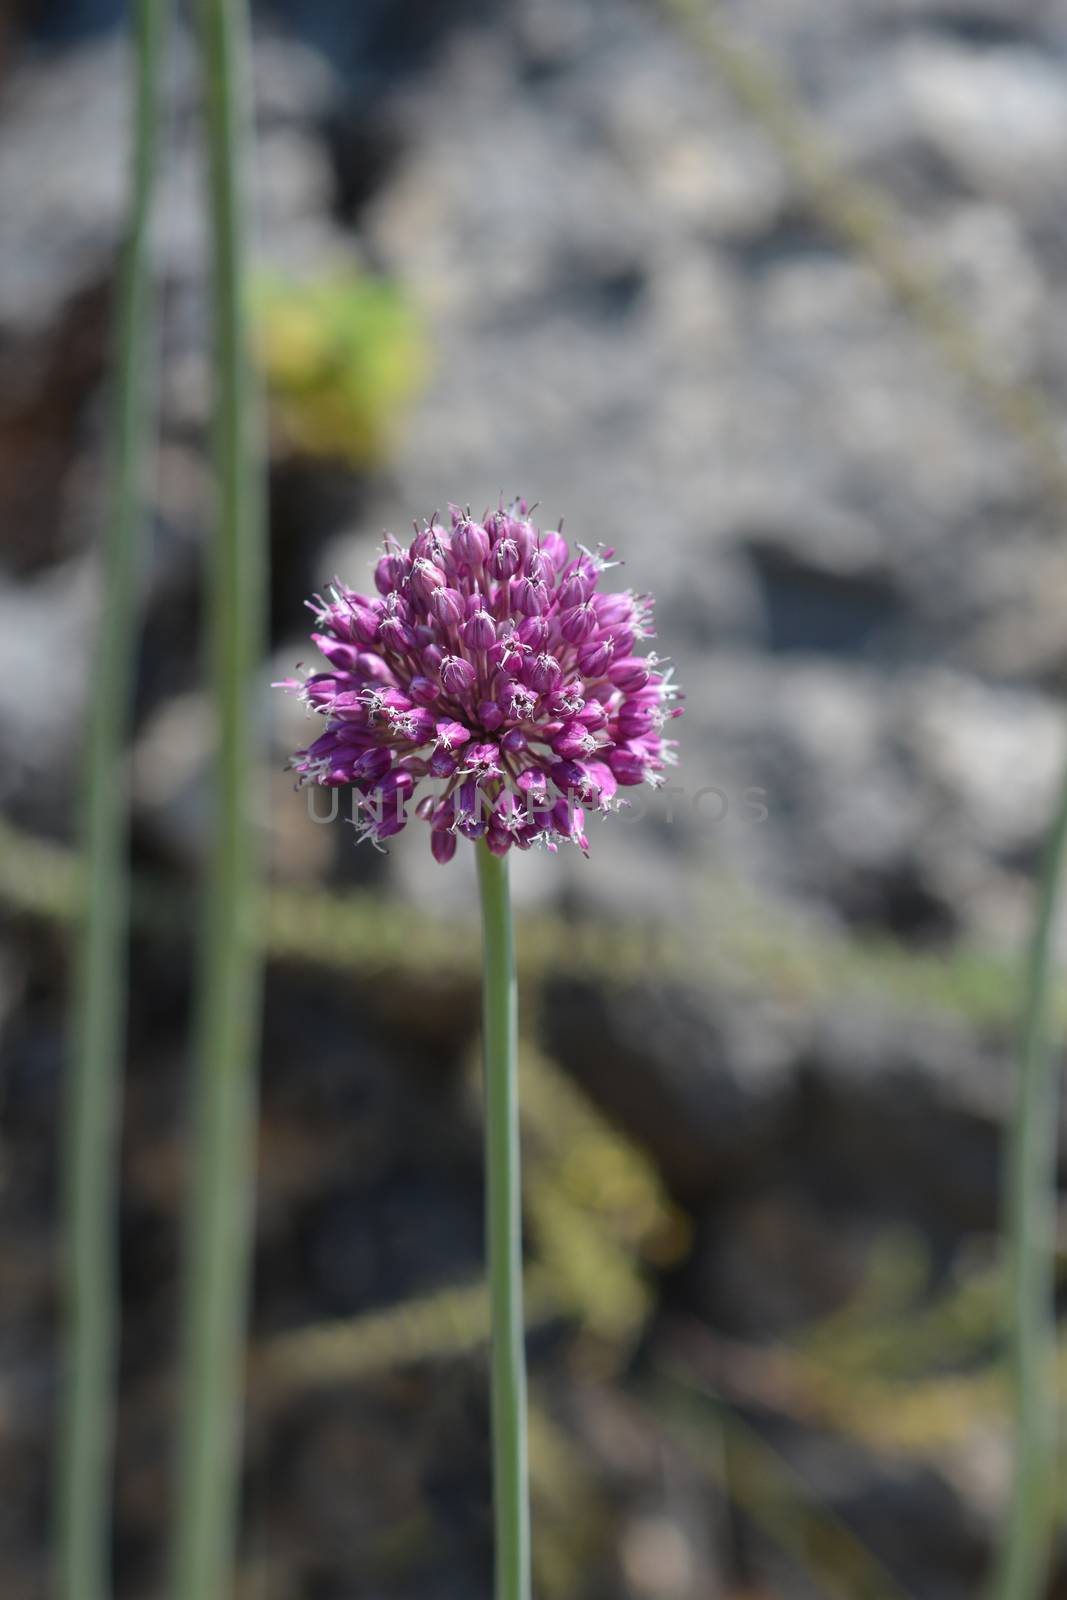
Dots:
pixel 1022 1567
pixel 90 1158
pixel 511 1509
pixel 224 1094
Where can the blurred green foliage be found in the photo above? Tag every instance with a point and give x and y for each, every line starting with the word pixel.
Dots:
pixel 344 356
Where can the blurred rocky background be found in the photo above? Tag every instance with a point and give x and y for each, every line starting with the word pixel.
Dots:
pixel 769 298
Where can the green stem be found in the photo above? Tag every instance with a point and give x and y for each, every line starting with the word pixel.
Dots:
pixel 224 1094
pixel 504 1230
pixel 1022 1568
pixel 90 1158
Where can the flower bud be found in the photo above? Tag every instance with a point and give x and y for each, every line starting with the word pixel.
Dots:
pixel 414 726
pixel 457 675
pixel 397 782
pixel 390 572
pixel 635 719
pixel 479 631
pixel 470 542
pixel 390 701
pixel 424 579
pixel 350 707
pixel 430 545
pixel 570 777
pixel 578 623
pixel 392 823
pixel 504 559
pixel 594 658
pixel 470 810
pixel 507 653
pixel 446 607
pixel 554 547
pixel 574 740
pixel 531 597
pixel 533 782
pixel 629 673
pixel 627 764
pixel 534 631
pixel 522 532
pixel 601 785
pixel 325 745
pixel 516 700
pixel 450 734
pixel 614 609
pixel 568 700
pixel 423 691
pixel 372 765
pixel 482 761
pixel 343 656
pixel 543 673
pixel 575 589
pixel 622 640
pixel 395 634
pixel 592 713
pixel 568 820
pixel 442 845
pixel 319 689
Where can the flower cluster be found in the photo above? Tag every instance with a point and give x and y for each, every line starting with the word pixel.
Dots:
pixel 491 662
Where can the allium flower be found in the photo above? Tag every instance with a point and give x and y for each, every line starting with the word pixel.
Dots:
pixel 491 665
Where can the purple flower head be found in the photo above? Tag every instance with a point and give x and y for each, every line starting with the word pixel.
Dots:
pixel 492 666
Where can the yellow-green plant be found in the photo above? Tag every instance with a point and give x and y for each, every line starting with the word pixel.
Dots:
pixel 343 356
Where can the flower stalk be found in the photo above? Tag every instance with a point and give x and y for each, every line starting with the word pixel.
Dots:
pixel 220 1178
pixel 504 1231
pixel 1030 1224
pixel 493 671
pixel 92 1112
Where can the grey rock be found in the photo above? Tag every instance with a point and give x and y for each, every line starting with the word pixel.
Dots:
pixel 41 703
pixel 704 1084
pixel 999 116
